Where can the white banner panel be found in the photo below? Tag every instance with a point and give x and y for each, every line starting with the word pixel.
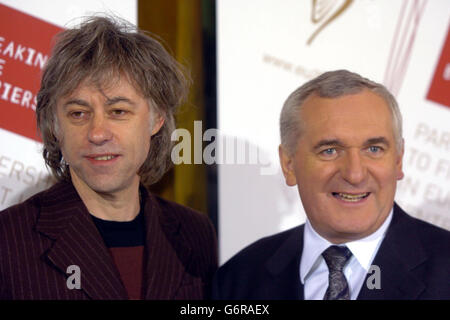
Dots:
pixel 26 30
pixel 267 48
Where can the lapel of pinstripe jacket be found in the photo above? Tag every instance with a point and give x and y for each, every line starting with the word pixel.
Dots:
pixel 167 256
pixel 64 219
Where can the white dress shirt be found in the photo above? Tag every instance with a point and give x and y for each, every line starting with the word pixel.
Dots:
pixel 314 270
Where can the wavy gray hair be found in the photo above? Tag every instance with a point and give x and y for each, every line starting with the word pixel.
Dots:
pixel 100 50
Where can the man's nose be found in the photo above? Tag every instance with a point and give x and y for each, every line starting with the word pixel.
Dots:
pixel 354 169
pixel 99 131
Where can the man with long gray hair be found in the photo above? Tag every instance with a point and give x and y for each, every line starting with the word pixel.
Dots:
pixel 342 146
pixel 105 110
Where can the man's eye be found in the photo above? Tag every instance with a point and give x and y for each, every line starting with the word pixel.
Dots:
pixel 375 149
pixel 328 152
pixel 118 112
pixel 77 114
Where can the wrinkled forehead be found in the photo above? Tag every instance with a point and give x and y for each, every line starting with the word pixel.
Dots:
pixel 353 113
pixel 103 80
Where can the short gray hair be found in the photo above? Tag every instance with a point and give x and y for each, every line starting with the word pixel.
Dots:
pixel 332 84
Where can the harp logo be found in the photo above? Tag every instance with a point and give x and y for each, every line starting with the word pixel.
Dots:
pixel 323 12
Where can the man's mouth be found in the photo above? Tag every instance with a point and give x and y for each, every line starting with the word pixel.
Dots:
pixel 350 197
pixel 108 157
pixel 102 157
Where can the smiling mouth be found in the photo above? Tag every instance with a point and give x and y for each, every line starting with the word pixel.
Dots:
pixel 105 157
pixel 350 197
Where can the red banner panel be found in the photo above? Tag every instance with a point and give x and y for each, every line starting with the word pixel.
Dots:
pixel 440 85
pixel 25 44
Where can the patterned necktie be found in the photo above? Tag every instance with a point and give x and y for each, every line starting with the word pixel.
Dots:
pixel 336 257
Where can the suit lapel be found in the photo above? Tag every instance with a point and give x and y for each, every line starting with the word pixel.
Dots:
pixel 284 268
pixel 167 258
pixel 399 254
pixel 65 219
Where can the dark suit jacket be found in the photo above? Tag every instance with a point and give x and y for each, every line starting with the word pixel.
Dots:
pixel 52 230
pixel 414 260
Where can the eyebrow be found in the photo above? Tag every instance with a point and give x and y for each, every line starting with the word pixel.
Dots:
pixel 328 142
pixel 339 143
pixel 109 101
pixel 77 102
pixel 377 140
pixel 114 100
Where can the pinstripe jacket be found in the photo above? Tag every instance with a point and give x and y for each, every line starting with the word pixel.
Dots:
pixel 41 237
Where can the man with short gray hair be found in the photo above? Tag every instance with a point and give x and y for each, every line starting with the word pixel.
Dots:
pixel 342 146
pixel 105 110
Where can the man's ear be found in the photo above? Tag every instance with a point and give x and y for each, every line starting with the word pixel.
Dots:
pixel 157 124
pixel 287 165
pixel 399 161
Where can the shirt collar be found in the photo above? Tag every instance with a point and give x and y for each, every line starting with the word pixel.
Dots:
pixel 362 249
